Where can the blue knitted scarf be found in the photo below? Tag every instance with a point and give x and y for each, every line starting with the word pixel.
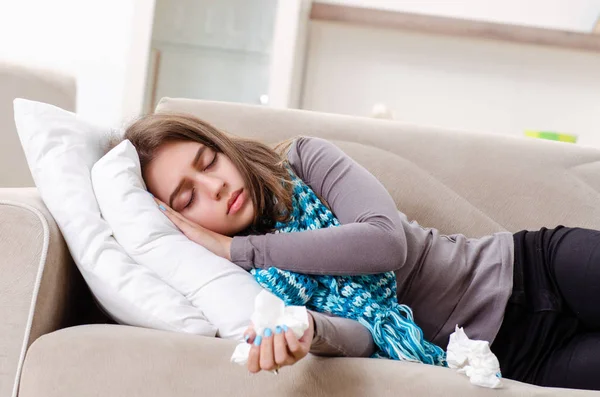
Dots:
pixel 369 299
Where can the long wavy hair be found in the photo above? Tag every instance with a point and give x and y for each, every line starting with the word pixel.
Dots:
pixel 263 169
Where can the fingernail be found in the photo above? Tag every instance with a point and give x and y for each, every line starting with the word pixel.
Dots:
pixel 268 332
pixel 278 329
pixel 162 207
pixel 257 340
pixel 246 337
pixel 285 328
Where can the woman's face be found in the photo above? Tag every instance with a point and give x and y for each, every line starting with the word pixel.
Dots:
pixel 201 184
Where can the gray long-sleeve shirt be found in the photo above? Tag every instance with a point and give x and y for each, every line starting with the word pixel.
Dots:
pixel 446 280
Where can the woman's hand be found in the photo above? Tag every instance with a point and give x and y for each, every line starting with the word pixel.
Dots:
pixel 277 348
pixel 212 241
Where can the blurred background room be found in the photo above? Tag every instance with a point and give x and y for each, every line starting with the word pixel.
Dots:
pixel 518 67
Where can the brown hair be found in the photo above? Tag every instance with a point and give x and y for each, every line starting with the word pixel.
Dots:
pixel 262 168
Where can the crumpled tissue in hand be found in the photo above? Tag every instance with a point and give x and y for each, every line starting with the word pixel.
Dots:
pixel 474 359
pixel 269 312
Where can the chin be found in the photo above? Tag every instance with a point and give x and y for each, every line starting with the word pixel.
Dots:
pixel 235 232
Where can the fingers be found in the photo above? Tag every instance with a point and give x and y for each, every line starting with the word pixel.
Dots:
pixel 269 351
pixel 272 350
pixel 294 346
pixel 254 355
pixel 249 335
pixel 160 203
pixel 166 209
pixel 179 220
pixel 267 358
pixel 282 356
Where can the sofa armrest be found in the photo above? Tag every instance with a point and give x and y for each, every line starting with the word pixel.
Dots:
pixel 37 279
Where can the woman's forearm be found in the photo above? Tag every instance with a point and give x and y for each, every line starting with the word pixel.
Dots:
pixel 340 337
pixel 350 249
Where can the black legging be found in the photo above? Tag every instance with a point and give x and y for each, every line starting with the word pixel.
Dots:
pixel 550 335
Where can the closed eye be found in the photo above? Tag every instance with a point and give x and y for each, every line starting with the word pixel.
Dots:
pixel 213 162
pixel 192 197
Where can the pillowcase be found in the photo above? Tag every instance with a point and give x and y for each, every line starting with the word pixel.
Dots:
pixel 224 292
pixel 61 149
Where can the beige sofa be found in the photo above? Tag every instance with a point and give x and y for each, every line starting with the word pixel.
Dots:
pixel 458 182
pixel 38 84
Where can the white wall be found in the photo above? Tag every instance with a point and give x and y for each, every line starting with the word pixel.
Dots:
pixel 100 42
pixel 458 83
pixel 577 15
pixel 104 43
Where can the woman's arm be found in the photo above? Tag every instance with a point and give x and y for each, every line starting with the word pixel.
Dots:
pixel 343 337
pixel 326 336
pixel 371 239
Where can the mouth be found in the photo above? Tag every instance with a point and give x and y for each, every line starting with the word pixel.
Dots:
pixel 235 201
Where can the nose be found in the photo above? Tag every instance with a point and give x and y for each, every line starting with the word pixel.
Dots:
pixel 213 185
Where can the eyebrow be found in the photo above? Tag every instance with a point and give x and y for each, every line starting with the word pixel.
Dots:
pixel 178 188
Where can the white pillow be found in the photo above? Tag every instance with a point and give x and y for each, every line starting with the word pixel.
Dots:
pixel 61 149
pixel 223 291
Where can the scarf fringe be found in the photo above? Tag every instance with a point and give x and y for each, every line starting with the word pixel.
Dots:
pixel 396 334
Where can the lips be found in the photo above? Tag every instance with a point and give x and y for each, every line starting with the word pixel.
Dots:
pixel 232 199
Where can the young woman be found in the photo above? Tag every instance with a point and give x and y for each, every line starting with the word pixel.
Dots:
pixel 534 295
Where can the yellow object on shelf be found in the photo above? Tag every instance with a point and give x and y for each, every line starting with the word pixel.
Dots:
pixel 553 136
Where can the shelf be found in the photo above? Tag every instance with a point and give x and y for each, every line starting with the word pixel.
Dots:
pixel 455 27
pixel 203 47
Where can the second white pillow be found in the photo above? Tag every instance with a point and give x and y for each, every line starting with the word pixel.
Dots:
pixel 223 291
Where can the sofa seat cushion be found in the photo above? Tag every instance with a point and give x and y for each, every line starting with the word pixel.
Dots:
pixel 114 360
